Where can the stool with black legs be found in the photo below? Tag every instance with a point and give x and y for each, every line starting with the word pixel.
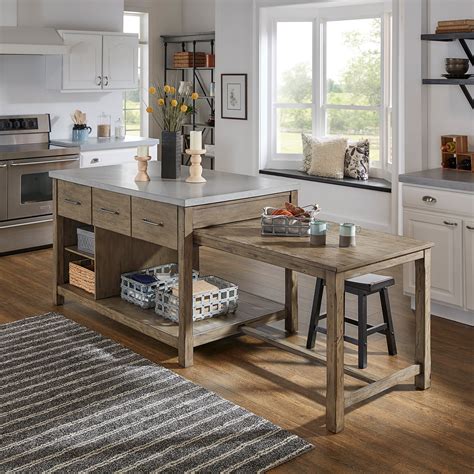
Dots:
pixel 362 286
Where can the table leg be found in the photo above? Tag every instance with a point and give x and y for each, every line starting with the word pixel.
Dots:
pixel 335 352
pixel 423 320
pixel 185 264
pixel 291 301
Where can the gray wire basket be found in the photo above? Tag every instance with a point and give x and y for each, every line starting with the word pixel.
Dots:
pixel 283 225
pixel 205 305
pixel 86 239
pixel 144 295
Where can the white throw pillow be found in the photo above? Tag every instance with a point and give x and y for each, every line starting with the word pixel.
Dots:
pixel 328 158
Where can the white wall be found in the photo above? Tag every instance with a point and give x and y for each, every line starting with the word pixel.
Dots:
pixel 23 78
pixel 448 111
pixel 198 15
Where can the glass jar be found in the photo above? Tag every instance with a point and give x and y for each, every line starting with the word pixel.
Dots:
pixel 103 126
pixel 119 129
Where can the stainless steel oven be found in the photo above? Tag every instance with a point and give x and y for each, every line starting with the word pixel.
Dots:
pixel 29 186
pixel 26 194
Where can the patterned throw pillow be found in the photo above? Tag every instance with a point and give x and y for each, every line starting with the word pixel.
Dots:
pixel 356 161
pixel 307 151
pixel 328 158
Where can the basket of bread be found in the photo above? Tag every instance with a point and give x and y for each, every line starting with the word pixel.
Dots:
pixel 289 221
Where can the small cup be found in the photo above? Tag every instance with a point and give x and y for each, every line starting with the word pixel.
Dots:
pixel 347 234
pixel 317 233
pixel 80 133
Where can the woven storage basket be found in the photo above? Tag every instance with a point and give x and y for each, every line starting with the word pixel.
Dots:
pixel 82 275
pixel 205 305
pixel 144 295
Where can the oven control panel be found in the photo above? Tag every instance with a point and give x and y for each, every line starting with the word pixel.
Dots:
pixel 18 123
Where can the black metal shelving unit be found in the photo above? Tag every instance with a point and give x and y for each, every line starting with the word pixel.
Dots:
pixel 189 42
pixel 462 83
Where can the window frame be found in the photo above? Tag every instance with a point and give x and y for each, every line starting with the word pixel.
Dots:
pixel 143 51
pixel 269 158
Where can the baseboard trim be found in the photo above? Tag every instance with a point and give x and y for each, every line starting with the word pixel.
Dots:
pixel 447 312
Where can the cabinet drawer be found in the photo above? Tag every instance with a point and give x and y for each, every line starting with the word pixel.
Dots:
pixel 111 211
pixel 75 201
pixel 436 200
pixel 155 222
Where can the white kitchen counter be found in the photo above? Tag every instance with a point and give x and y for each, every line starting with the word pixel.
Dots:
pixel 97 144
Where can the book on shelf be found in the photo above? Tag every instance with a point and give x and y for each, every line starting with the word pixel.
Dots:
pixel 443 23
pixel 455 29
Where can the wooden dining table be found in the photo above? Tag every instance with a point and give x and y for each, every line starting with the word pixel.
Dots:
pixel 374 251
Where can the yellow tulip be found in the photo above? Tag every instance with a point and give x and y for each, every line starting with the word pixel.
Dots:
pixel 152 90
pixel 149 109
pixel 167 89
pixel 172 90
pixel 161 101
pixel 194 95
pixel 184 108
pixel 174 103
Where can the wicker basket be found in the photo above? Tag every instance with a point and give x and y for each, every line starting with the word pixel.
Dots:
pixel 82 275
pixel 205 305
pixel 86 240
pixel 142 294
pixel 283 225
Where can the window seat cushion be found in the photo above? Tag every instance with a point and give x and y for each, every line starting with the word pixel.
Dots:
pixel 372 184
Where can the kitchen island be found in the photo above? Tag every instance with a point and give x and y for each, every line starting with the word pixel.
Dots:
pixel 141 225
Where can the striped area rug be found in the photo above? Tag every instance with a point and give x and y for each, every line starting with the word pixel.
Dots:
pixel 72 400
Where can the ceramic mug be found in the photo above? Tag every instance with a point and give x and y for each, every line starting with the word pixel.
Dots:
pixel 347 234
pixel 317 233
pixel 80 133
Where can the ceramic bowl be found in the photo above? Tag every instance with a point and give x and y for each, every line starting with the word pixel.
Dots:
pixel 457 66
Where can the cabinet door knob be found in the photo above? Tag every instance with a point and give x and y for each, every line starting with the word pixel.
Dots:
pixel 94 160
pixel 429 199
pixel 99 80
pixel 106 80
pixel 469 227
pixel 452 224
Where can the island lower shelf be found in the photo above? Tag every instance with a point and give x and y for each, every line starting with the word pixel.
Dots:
pixel 251 309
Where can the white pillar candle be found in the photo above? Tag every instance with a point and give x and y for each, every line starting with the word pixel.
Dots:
pixel 142 150
pixel 195 140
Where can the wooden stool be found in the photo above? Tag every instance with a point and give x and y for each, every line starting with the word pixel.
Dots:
pixel 362 287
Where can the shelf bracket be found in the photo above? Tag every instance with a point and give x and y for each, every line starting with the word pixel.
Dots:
pixel 467 50
pixel 468 95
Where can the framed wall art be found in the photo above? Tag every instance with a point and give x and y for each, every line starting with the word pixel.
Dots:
pixel 234 96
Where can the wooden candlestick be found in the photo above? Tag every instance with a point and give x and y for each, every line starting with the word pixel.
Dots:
pixel 195 170
pixel 142 163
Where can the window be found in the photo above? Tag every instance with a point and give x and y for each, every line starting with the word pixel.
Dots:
pixel 330 74
pixel 134 113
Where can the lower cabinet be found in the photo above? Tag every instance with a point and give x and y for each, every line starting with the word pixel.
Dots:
pixel 446 256
pixel 468 239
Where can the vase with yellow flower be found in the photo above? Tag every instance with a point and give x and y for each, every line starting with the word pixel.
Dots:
pixel 170 107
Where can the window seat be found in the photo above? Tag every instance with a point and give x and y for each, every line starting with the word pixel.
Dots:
pixel 373 184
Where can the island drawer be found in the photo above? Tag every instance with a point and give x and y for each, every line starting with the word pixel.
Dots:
pixel 75 201
pixel 111 211
pixel 155 222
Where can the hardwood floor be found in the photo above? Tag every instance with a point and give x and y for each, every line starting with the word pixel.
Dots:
pixel 403 430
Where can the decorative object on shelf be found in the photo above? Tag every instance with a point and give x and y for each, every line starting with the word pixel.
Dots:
pixel 207 301
pixel 328 158
pixel 455 153
pixel 185 59
pixel 103 125
pixel 195 151
pixel 234 96
pixel 119 129
pixel 292 221
pixel 356 160
pixel 210 60
pixel 347 234
pixel 171 110
pixel 456 67
pixel 142 164
pixel 185 87
pixel 455 26
pixel 211 121
pixel 212 89
pixel 86 239
pixel 317 233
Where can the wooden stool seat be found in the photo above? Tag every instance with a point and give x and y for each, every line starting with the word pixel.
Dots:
pixel 361 286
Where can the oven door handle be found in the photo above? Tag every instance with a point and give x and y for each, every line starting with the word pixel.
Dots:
pixel 44 162
pixel 25 223
pixel 3 165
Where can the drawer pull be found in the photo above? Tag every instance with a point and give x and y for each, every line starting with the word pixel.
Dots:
pixel 469 227
pixel 71 201
pixel 157 224
pixel 452 224
pixel 429 199
pixel 94 160
pixel 109 211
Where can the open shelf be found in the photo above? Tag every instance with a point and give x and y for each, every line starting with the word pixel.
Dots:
pixel 200 125
pixel 73 249
pixel 457 82
pixel 447 36
pixel 190 68
pixel 251 309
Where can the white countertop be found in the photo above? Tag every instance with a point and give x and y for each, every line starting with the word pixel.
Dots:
pixel 441 178
pixel 220 187
pixel 94 143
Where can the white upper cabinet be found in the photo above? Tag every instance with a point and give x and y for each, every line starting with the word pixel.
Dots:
pixel 120 62
pixel 99 61
pixel 82 66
